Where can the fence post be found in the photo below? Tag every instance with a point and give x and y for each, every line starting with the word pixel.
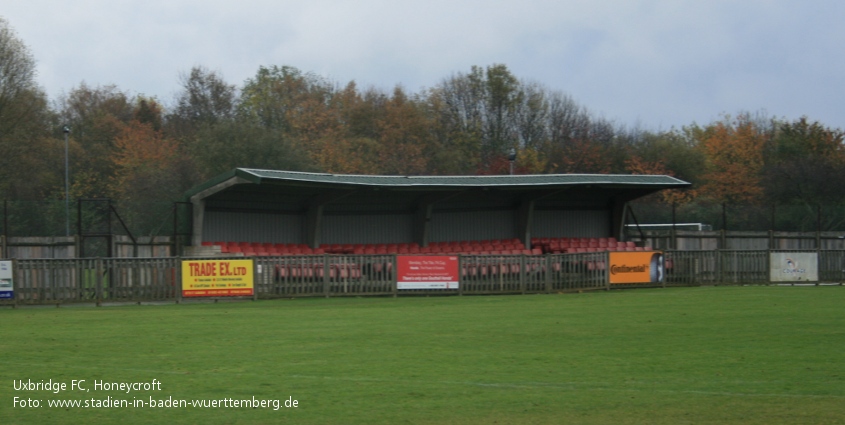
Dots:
pixel 178 279
pixel 719 264
pixel 547 268
pixel 521 273
pixel 460 275
pixel 98 270
pixel 326 271
pixel 395 283
pixel 768 261
pixel 15 294
pixel 819 227
pixel 255 279
pixel 673 243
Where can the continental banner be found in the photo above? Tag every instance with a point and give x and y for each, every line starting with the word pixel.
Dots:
pixel 217 278
pixel 794 267
pixel 636 267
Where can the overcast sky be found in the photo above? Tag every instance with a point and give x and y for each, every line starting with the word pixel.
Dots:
pixel 648 63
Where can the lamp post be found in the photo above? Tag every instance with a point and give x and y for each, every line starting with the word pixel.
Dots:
pixel 66 131
pixel 512 158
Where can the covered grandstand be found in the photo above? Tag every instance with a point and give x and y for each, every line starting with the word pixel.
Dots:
pixel 318 212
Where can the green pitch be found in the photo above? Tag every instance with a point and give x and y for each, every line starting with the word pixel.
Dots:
pixel 743 355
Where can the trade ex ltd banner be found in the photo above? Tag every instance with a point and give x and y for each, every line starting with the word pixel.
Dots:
pixel 427 272
pixel 636 267
pixel 217 278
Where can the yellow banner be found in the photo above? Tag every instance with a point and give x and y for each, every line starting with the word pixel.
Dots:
pixel 636 267
pixel 217 278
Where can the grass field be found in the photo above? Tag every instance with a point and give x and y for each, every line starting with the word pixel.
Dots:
pixel 719 355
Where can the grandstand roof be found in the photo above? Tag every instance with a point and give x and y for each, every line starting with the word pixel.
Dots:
pixel 324 180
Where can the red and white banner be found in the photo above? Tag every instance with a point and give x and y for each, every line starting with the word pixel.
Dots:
pixel 427 272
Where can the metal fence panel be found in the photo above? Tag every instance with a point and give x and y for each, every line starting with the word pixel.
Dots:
pixel 744 267
pixel 487 274
pixel 832 266
pixel 47 281
pixel 578 271
pixel 140 279
pixel 686 268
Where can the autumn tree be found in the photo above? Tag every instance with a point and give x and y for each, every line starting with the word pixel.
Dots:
pixel 149 175
pixel 96 117
pixel 733 151
pixel 403 135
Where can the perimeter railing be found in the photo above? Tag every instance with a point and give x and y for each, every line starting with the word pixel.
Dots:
pixel 102 280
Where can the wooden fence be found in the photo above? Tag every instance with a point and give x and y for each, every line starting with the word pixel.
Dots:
pixel 96 280
pixel 692 240
pixel 67 247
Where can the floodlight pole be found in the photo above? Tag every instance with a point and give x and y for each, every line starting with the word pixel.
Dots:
pixel 66 131
pixel 511 159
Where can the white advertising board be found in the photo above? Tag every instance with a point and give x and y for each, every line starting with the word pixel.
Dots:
pixel 6 288
pixel 794 267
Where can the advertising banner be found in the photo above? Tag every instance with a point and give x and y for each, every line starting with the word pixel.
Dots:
pixel 7 290
pixel 636 267
pixel 794 266
pixel 427 272
pixel 217 278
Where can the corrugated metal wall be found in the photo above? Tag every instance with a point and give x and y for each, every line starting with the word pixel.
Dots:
pixel 375 228
pixel 253 227
pixel 396 228
pixel 571 223
pixel 471 225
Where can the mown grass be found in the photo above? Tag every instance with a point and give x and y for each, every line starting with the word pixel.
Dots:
pixel 721 355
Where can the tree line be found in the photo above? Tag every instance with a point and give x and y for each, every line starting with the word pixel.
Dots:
pixel 140 150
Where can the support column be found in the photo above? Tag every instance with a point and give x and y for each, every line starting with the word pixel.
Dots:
pixel 524 221
pixel 313 224
pixel 314 215
pixel 198 213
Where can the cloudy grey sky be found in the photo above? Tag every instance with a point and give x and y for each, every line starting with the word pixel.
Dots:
pixel 648 63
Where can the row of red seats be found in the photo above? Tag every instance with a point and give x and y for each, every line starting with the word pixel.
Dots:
pixel 264 249
pixel 566 245
pixel 307 271
pixel 485 247
pixel 599 249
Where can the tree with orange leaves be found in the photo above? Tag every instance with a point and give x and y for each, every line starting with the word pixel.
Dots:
pixel 734 161
pixel 637 165
pixel 149 168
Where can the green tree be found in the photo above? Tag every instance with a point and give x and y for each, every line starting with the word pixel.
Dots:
pixel 802 161
pixel 27 166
